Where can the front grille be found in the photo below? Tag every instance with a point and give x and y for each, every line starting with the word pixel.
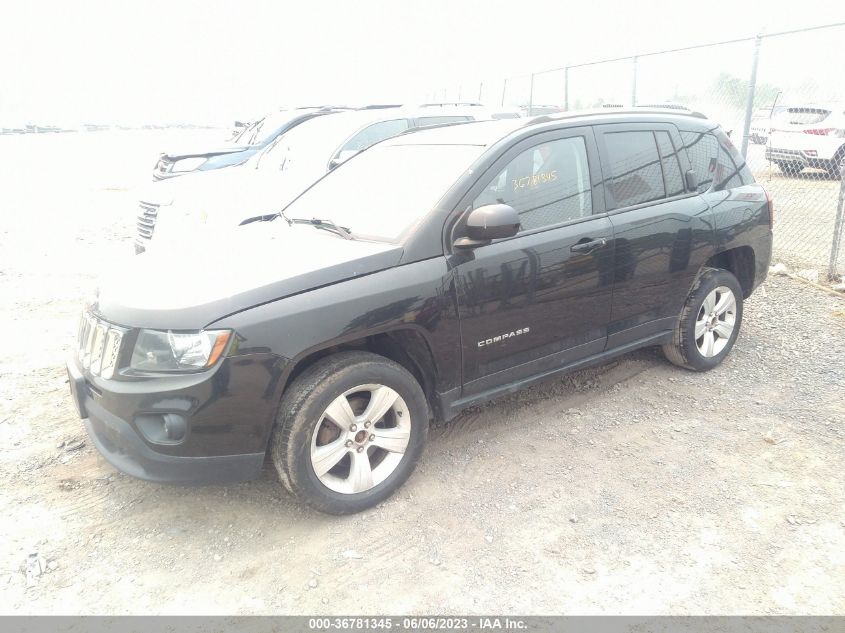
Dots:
pixel 146 222
pixel 98 345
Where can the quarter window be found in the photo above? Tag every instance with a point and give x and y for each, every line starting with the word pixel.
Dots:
pixel 703 151
pixel 375 133
pixel 547 184
pixel 635 173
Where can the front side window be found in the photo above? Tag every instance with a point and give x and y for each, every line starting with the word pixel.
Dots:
pixel 635 173
pixel 546 184
pixel 373 134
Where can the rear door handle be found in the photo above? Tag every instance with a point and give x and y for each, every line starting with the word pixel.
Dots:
pixel 586 247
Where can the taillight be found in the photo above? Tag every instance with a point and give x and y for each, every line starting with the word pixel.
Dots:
pixel 771 205
pixel 826 131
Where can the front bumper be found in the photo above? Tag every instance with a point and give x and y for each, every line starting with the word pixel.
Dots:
pixel 121 443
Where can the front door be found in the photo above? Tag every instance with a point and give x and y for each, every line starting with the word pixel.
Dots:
pixel 541 299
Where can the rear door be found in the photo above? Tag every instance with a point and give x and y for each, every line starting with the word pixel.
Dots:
pixel 541 299
pixel 662 233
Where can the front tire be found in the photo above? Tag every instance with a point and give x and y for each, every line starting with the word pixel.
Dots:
pixel 349 432
pixel 709 322
pixel 790 168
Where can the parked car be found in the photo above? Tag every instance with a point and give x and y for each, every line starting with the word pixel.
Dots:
pixel 430 273
pixel 220 200
pixel 761 124
pixel 809 136
pixel 245 143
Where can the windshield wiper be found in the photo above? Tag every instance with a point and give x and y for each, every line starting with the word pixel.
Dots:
pixel 327 224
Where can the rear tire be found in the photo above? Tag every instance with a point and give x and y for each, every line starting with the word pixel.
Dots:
pixel 349 432
pixel 836 168
pixel 790 168
pixel 709 322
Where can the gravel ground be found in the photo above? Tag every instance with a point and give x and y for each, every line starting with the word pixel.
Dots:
pixel 632 488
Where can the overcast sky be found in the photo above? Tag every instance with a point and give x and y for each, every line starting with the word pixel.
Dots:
pixel 187 61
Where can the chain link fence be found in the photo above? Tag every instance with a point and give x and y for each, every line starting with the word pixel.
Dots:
pixel 781 96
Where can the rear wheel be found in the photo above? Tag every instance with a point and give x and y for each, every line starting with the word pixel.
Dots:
pixel 349 432
pixel 709 322
pixel 790 168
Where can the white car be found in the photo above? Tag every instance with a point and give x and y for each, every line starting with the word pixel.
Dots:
pixel 761 124
pixel 809 136
pixel 173 210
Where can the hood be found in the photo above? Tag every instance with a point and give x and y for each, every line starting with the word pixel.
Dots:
pixel 191 152
pixel 225 197
pixel 225 272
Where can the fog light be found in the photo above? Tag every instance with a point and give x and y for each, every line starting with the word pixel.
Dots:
pixel 175 427
pixel 162 428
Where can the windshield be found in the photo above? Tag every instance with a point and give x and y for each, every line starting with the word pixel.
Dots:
pixel 265 130
pixel 386 190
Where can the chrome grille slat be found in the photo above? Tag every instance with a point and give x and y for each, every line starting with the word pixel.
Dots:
pixel 98 345
pixel 146 221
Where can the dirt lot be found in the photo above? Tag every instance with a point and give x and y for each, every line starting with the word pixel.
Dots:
pixel 633 488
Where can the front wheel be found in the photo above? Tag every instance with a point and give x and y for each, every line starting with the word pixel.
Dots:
pixel 349 432
pixel 709 322
pixel 790 168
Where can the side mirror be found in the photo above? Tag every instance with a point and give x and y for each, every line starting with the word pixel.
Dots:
pixel 488 223
pixel 342 157
pixel 692 180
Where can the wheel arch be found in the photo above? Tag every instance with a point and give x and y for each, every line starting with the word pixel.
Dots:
pixel 408 346
pixel 740 262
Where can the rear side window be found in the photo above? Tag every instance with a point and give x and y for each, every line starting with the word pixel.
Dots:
pixel 440 120
pixel 703 152
pixel 671 167
pixel 635 173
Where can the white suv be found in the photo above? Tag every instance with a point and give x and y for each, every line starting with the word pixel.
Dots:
pixel 809 136
pixel 174 210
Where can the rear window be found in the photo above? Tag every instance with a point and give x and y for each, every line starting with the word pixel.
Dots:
pixel 803 116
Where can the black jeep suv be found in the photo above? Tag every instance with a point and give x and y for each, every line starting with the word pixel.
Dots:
pixel 434 271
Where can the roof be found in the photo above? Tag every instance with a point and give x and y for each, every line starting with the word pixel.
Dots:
pixel 486 133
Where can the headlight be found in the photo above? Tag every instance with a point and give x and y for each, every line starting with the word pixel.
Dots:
pixel 157 350
pixel 188 164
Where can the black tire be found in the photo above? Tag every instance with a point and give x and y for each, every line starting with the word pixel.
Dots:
pixel 837 166
pixel 302 408
pixel 684 350
pixel 790 168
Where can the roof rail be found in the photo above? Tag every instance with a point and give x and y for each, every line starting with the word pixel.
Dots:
pixel 547 118
pixel 450 103
pixel 380 106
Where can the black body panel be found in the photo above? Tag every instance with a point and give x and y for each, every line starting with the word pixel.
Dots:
pixel 475 323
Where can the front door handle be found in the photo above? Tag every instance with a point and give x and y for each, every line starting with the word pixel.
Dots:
pixel 588 245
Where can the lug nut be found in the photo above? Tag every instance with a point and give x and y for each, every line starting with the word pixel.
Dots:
pixel 372 438
pixel 366 425
pixel 353 428
pixel 360 449
pixel 348 443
